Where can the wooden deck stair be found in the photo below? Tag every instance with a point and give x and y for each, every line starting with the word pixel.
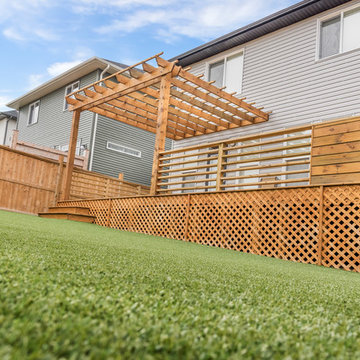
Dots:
pixel 75 213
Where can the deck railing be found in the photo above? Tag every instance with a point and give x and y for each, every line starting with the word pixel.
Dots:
pixel 275 159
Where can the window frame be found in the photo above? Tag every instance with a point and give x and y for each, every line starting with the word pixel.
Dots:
pixel 66 87
pixel 224 57
pixel 122 152
pixel 322 19
pixel 29 112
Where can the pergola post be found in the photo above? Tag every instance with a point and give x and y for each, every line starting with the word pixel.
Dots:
pixel 161 126
pixel 71 154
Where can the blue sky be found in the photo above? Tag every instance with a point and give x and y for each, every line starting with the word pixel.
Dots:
pixel 39 39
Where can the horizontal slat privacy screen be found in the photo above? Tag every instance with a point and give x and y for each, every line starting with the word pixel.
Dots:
pixel 269 160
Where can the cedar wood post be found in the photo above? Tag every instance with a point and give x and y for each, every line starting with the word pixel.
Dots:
pixel 160 128
pixel 71 154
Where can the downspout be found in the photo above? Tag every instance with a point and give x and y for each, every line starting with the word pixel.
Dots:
pixel 6 130
pixel 95 124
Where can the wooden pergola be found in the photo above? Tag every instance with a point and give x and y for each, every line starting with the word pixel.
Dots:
pixel 166 100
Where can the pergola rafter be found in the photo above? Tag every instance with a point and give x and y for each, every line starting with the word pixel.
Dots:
pixel 166 100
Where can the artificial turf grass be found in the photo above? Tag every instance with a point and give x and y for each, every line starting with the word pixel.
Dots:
pixel 80 291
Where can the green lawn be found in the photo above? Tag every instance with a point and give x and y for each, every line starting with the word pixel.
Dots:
pixel 71 290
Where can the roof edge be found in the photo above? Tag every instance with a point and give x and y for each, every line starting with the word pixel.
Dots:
pixel 49 85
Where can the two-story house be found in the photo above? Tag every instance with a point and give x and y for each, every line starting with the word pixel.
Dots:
pixel 114 147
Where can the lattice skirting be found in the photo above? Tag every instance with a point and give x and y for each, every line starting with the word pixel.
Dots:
pixel 314 225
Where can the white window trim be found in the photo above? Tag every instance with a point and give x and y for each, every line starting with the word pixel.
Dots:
pixel 223 57
pixel 122 152
pixel 66 87
pixel 318 31
pixel 37 119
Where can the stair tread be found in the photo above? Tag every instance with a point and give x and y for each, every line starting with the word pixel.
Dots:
pixel 66 207
pixel 65 213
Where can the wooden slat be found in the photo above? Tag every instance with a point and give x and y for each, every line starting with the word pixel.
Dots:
pixel 336 169
pixel 265 158
pixel 336 139
pixel 337 149
pixel 268 150
pixel 335 129
pixel 336 158
pixel 197 160
pixel 336 179
pixel 289 181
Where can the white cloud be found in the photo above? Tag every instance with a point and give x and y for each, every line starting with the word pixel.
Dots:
pixel 26 20
pixel 34 80
pixel 108 6
pixel 192 18
pixel 60 67
pixel 57 68
pixel 4 99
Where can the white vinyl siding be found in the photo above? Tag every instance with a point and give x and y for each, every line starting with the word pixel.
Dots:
pixel 33 115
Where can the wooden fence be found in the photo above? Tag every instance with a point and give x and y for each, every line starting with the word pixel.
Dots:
pixel 29 183
pixel 324 153
pixel 309 224
pixel 46 152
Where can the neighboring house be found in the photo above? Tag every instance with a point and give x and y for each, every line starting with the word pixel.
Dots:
pixel 7 125
pixel 301 63
pixel 114 147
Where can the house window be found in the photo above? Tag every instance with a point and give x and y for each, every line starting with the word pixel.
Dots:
pixel 68 90
pixel 33 112
pixel 123 149
pixel 340 33
pixel 228 72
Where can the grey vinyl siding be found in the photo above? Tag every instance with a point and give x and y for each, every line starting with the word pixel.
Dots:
pixel 281 74
pixel 112 163
pixel 54 124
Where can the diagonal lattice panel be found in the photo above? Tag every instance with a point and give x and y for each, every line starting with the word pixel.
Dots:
pixel 341 227
pixel 281 223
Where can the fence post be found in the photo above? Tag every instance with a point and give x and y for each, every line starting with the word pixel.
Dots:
pixel 121 178
pixel 15 138
pixel 219 167
pixel 139 190
pixel 109 213
pixel 59 177
pixel 320 236
pixel 187 218
pixel 86 159
pixel 107 186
